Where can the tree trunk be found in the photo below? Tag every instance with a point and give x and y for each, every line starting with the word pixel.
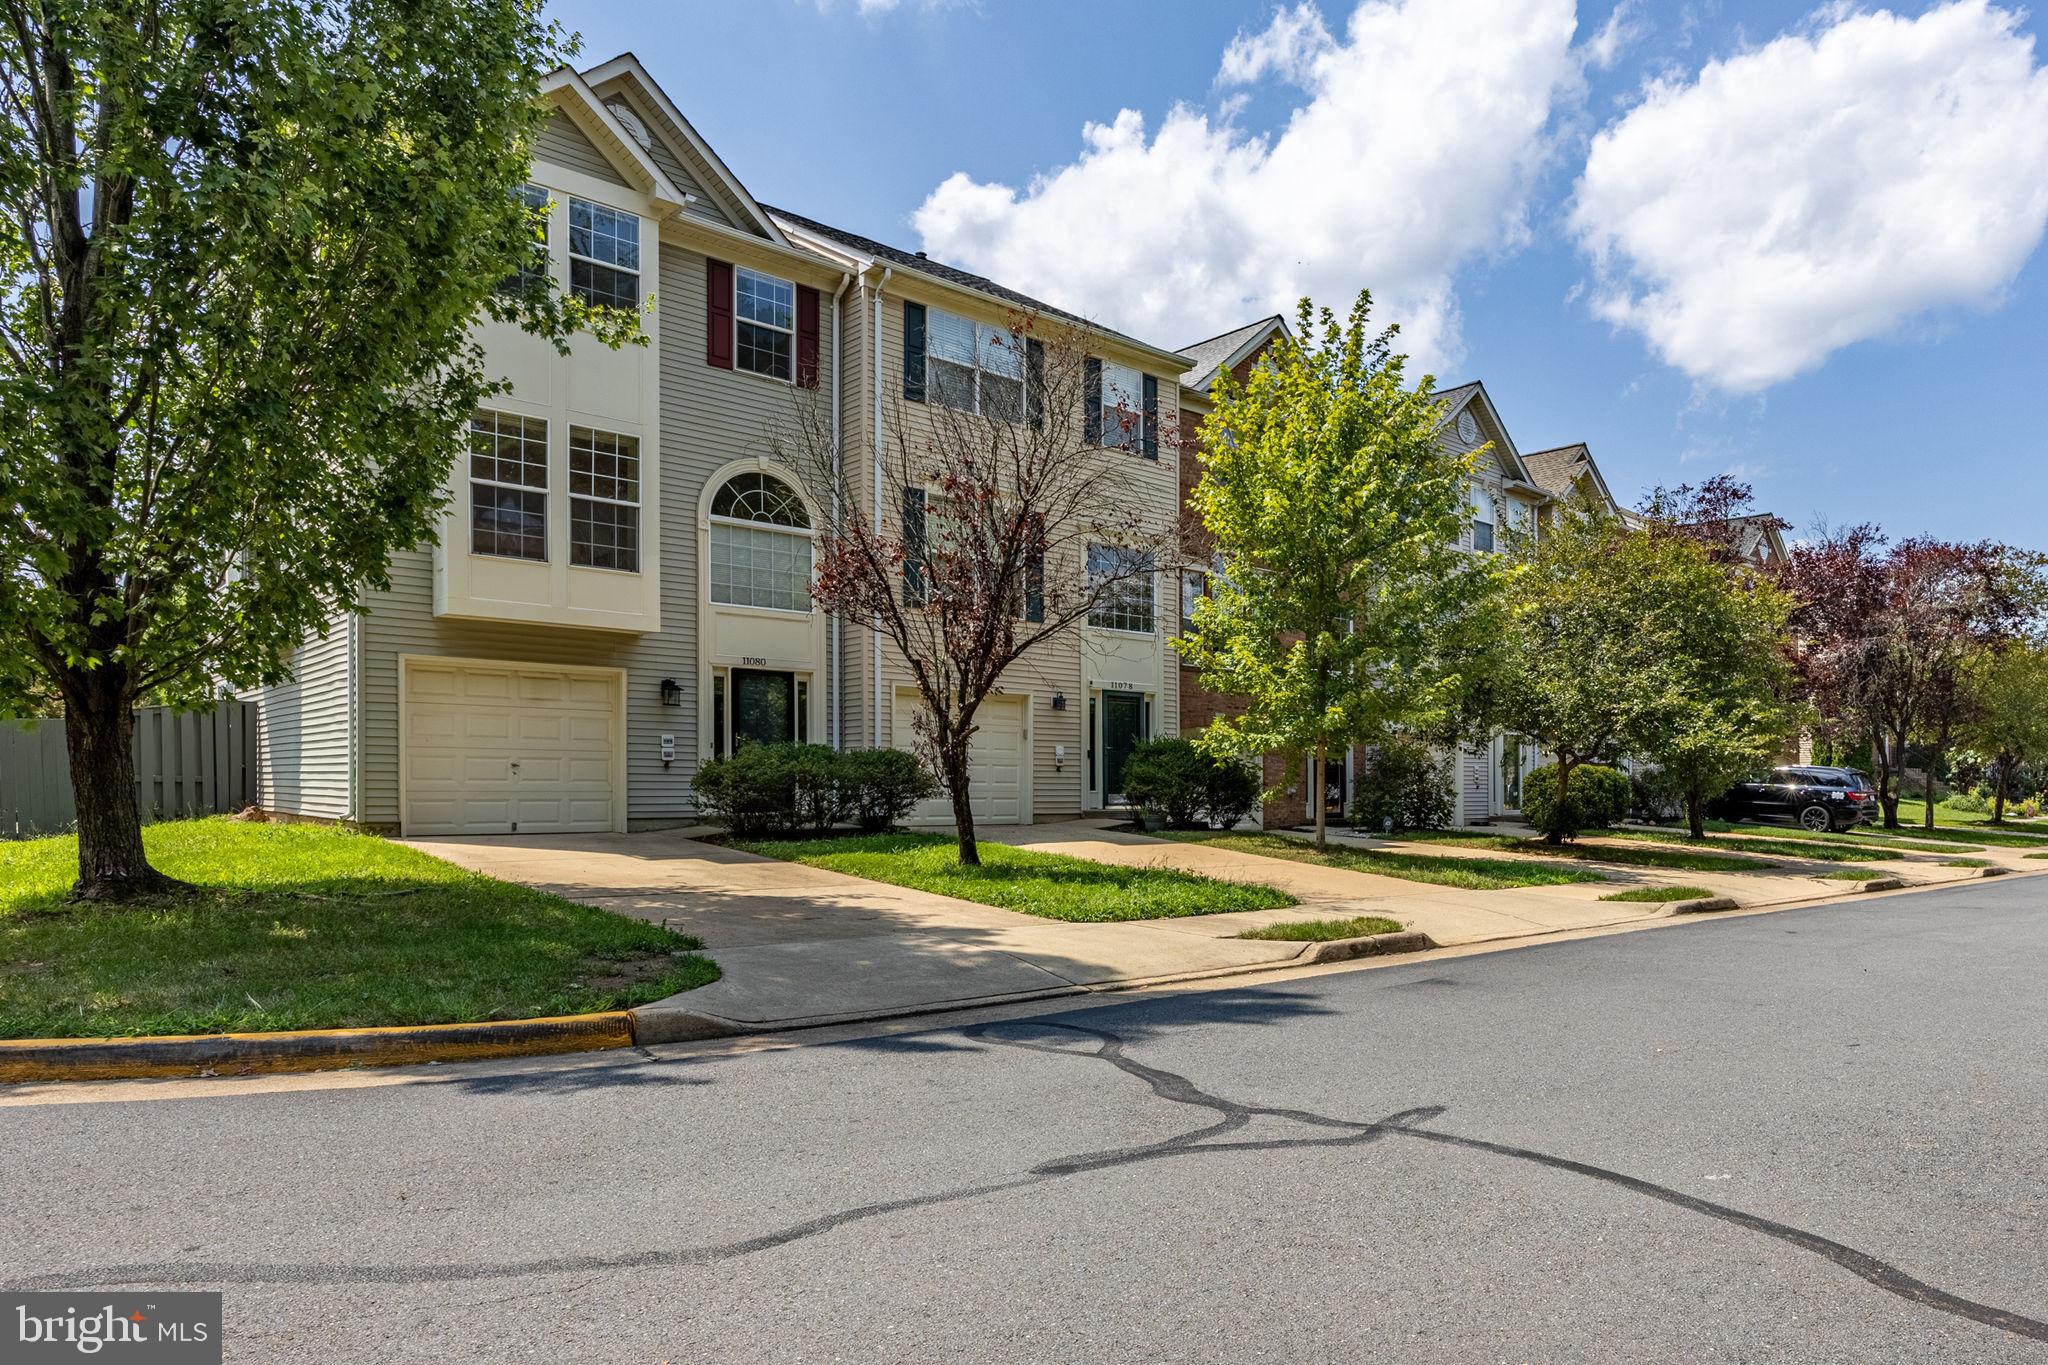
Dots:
pixel 1888 781
pixel 955 765
pixel 1933 766
pixel 1696 812
pixel 1555 835
pixel 2004 772
pixel 1318 793
pixel 99 730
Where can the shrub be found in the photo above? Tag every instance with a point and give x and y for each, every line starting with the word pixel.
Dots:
pixel 1404 784
pixel 878 787
pixel 1230 792
pixel 1599 797
pixel 1167 777
pixel 770 788
pixel 1655 795
pixel 1970 803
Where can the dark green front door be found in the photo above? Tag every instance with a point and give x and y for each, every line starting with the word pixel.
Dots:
pixel 763 707
pixel 1123 725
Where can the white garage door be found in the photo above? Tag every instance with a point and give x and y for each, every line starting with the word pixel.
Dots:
pixel 998 757
pixel 510 750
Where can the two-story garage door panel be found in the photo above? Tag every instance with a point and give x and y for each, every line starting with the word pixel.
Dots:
pixel 997 754
pixel 511 750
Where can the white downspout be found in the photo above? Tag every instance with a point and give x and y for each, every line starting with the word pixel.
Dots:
pixel 875 344
pixel 837 660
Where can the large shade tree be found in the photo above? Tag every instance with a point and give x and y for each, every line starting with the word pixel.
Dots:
pixel 242 243
pixel 1343 608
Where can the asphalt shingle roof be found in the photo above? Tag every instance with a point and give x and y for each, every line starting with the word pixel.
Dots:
pixel 924 265
pixel 1211 355
pixel 1551 470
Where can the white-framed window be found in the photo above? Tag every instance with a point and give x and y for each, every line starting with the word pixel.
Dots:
pixel 1482 518
pixel 1125 603
pixel 973 367
pixel 760 545
pixel 604 500
pixel 1123 407
pixel 533 270
pixel 508 485
pixel 764 324
pixel 1194 585
pixel 604 255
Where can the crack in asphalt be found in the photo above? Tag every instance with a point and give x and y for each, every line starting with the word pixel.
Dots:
pixel 1232 1117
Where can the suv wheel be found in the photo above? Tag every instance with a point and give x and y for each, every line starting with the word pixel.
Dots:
pixel 1818 819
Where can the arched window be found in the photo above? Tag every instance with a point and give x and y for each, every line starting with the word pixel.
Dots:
pixel 760 545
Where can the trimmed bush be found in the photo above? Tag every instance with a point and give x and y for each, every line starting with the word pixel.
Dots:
pixel 773 788
pixel 878 787
pixel 1168 778
pixel 1405 785
pixel 1231 792
pixel 1599 797
pixel 1175 781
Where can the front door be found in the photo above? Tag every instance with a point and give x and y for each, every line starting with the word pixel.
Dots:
pixel 1123 725
pixel 763 707
pixel 1515 762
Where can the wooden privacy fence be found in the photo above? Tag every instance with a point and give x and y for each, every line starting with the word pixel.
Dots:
pixel 186 763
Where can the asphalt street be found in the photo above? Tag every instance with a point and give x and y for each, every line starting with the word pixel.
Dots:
pixel 1816 1135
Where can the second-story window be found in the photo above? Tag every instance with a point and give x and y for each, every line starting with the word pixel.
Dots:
pixel 604 255
pixel 973 367
pixel 760 545
pixel 604 500
pixel 1482 519
pixel 532 273
pixel 1124 580
pixel 1123 407
pixel 508 485
pixel 764 318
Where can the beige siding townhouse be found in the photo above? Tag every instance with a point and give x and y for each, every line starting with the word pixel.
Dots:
pixel 620 588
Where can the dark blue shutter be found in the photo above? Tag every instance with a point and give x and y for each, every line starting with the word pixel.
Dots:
pixel 1091 400
pixel 1034 383
pixel 913 545
pixel 913 351
pixel 1151 418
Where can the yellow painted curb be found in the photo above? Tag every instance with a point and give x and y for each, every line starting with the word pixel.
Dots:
pixel 106 1059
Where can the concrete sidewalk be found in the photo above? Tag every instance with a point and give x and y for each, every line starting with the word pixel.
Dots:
pixel 802 946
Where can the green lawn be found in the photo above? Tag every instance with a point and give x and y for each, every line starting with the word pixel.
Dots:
pixel 1052 885
pixel 1324 930
pixel 1817 848
pixel 305 926
pixel 2032 856
pixel 1659 894
pixel 1976 835
pixel 1863 840
pixel 1912 812
pixel 1977 862
pixel 1850 874
pixel 1680 859
pixel 1473 874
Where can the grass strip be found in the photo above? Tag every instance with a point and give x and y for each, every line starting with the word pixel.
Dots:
pixel 1657 895
pixel 1471 874
pixel 1324 930
pixel 1050 885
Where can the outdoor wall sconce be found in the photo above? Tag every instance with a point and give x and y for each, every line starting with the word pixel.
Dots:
pixel 1059 701
pixel 671 692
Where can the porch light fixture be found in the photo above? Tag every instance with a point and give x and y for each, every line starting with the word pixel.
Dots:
pixel 1059 701
pixel 671 692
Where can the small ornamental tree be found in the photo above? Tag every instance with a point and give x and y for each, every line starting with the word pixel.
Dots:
pixel 2008 718
pixel 1342 602
pixel 241 251
pixel 1003 510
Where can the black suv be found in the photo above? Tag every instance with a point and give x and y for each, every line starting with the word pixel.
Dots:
pixel 1821 799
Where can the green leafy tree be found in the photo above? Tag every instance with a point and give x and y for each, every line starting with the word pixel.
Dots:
pixel 1631 641
pixel 1342 602
pixel 2008 717
pixel 242 249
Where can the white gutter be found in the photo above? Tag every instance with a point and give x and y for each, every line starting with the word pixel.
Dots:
pixel 875 345
pixel 837 659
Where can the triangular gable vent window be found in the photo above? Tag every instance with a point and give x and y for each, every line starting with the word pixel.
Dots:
pixel 630 121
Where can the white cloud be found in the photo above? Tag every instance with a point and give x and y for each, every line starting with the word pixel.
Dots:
pixel 1821 190
pixel 1604 48
pixel 1410 154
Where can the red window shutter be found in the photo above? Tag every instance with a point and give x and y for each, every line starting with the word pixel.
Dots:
pixel 807 336
pixel 718 314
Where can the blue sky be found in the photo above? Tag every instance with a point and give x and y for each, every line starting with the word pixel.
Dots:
pixel 1800 245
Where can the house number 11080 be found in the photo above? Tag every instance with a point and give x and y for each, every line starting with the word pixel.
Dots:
pixel 746 662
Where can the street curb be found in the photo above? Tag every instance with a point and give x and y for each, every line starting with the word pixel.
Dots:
pixel 107 1059
pixel 1371 945
pixel 1993 871
pixel 1883 884
pixel 1705 904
